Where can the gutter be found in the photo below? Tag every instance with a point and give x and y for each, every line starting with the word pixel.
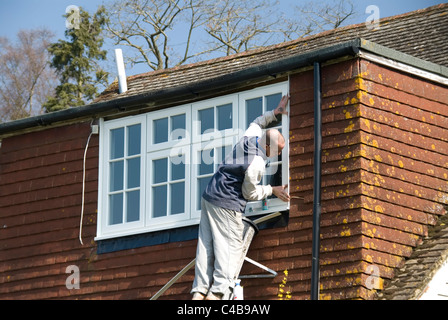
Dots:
pixel 197 90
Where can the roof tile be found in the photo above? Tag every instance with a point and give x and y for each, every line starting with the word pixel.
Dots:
pixel 411 280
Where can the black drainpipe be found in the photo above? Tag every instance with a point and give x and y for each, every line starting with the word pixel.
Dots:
pixel 317 182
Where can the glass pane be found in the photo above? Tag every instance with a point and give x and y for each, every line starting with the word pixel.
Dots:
pixel 117 143
pixel 159 200
pixel 272 101
pixel 202 184
pixel 177 197
pixel 115 208
pixel 224 116
pixel 273 176
pixel 207 119
pixel 254 109
pixel 206 161
pixel 116 174
pixel 134 173
pixel 133 206
pixel 134 140
pixel 160 170
pixel 177 168
pixel 178 127
pixel 160 130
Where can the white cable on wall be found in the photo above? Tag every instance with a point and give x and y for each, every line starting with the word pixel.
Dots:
pixel 84 184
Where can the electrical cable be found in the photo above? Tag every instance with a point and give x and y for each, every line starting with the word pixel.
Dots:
pixel 84 184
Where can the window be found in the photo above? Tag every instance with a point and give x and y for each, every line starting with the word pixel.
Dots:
pixel 215 118
pixel 255 103
pixel 168 192
pixel 168 168
pixel 154 167
pixel 124 173
pixel 121 197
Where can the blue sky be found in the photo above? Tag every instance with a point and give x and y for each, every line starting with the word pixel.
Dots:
pixel 29 14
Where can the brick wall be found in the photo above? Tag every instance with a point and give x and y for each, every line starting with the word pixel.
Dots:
pixel 404 148
pixel 385 167
pixel 40 201
pixel 40 209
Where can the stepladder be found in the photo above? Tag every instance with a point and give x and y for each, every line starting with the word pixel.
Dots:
pixel 250 230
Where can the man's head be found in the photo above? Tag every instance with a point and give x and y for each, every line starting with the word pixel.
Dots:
pixel 273 141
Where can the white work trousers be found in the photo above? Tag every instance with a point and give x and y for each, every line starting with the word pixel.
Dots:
pixel 219 249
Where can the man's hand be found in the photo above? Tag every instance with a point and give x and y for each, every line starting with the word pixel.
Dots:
pixel 281 193
pixel 281 108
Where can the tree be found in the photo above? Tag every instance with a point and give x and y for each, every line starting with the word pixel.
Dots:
pixel 319 16
pixel 76 61
pixel 144 25
pixel 237 26
pixel 26 78
pixel 167 33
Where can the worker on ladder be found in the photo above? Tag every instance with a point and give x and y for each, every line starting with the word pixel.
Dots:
pixel 224 200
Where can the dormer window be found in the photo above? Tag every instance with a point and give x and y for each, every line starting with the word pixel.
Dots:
pixel 155 166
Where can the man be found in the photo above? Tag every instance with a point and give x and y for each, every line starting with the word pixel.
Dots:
pixel 236 181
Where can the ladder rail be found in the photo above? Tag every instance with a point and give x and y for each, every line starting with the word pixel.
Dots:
pixel 173 280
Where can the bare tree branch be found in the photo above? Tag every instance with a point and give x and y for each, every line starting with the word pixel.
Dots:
pixel 324 16
pixel 144 25
pixel 165 33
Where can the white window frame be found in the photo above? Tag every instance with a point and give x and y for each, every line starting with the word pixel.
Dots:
pixel 214 133
pixel 104 228
pixel 172 142
pixel 167 220
pixel 190 145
